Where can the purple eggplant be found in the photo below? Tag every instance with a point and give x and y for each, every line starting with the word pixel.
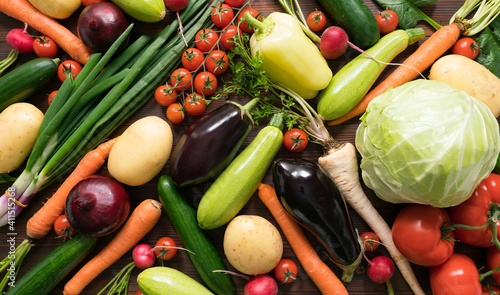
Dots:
pixel 210 144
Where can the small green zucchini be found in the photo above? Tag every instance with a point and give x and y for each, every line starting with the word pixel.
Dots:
pixel 229 193
pixel 26 80
pixel 161 280
pixel 354 80
pixel 46 274
pixel 202 252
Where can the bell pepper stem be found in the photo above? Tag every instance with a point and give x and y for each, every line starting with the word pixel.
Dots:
pixel 257 24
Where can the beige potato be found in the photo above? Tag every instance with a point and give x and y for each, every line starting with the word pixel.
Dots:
pixel 465 74
pixel 252 244
pixel 141 152
pixel 19 124
pixel 60 9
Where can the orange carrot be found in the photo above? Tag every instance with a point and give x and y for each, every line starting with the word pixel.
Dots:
pixel 42 221
pixel 425 55
pixel 324 278
pixel 140 222
pixel 23 11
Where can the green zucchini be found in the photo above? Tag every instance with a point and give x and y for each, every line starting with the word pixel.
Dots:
pixel 161 280
pixel 229 193
pixel 355 18
pixel 354 80
pixel 52 269
pixel 205 259
pixel 26 80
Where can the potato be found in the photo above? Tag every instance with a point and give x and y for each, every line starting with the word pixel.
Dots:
pixel 252 244
pixel 141 152
pixel 465 74
pixel 19 124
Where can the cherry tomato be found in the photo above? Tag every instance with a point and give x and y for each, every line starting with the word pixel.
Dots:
pixel 456 276
pixel 467 47
pixel 194 104
pixel 222 15
pixel 295 140
pixel 235 3
pixel 175 113
pixel 244 25
pixel 67 67
pixel 286 271
pixel 387 21
pixel 165 95
pixel 491 290
pixel 205 83
pixel 45 47
pixel 192 59
pixel 206 39
pixel 62 227
pixel 417 233
pixel 228 34
pixel 217 62
pixel 493 262
pixel 316 21
pixel 51 96
pixel 370 241
pixel 165 248
pixel 180 79
pixel 89 2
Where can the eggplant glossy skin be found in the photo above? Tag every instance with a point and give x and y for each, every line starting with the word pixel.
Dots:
pixel 311 197
pixel 209 145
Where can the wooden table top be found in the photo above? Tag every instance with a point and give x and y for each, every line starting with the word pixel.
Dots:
pixel 441 12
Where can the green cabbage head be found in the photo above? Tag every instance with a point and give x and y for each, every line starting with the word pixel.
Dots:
pixel 428 143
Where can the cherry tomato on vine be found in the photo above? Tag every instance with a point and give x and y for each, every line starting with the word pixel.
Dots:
pixel 217 62
pixel 51 96
pixel 493 262
pixel 180 79
pixel 295 140
pixel 228 33
pixel 457 276
pixel 45 47
pixel 165 95
pixel 467 47
pixel 206 39
pixel 175 113
pixel 194 104
pixel 62 227
pixel 192 59
pixel 235 3
pixel 165 248
pixel 387 21
pixel 286 271
pixel 370 241
pixel 316 21
pixel 222 15
pixel 205 83
pixel 68 67
pixel 244 25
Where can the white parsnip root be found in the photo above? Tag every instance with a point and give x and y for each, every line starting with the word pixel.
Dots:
pixel 341 163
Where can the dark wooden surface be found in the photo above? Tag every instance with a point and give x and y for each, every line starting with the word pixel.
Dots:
pixel 440 11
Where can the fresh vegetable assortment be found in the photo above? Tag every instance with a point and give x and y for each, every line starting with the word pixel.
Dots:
pixel 207 122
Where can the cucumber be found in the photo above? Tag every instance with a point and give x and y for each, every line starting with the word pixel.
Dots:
pixel 161 280
pixel 354 80
pixel 52 269
pixel 229 193
pixel 205 259
pixel 355 18
pixel 149 11
pixel 26 80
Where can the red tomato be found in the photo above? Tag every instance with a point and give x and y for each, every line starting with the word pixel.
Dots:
pixel 89 2
pixel 316 21
pixel 295 140
pixel 165 248
pixel 67 67
pixel 194 104
pixel 222 15
pixel 62 227
pixel 387 21
pixel 493 262
pixel 192 59
pixel 467 47
pixel 51 96
pixel 228 34
pixel 370 241
pixel 457 276
pixel 165 95
pixel 175 113
pixel 206 39
pixel 205 83
pixel 417 234
pixel 474 212
pixel 217 62
pixel 235 3
pixel 180 79
pixel 244 25
pixel 286 271
pixel 45 47
pixel 491 290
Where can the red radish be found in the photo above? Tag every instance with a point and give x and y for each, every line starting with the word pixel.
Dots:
pixel 176 5
pixel 20 41
pixel 380 269
pixel 334 42
pixel 144 256
pixel 262 284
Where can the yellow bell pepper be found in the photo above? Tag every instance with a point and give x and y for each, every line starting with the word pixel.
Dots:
pixel 289 56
